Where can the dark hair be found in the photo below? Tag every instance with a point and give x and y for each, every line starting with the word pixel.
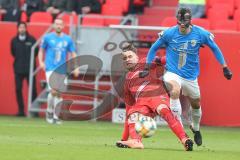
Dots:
pixel 182 11
pixel 128 47
pixel 20 23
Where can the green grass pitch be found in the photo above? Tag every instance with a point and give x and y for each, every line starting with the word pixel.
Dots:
pixel 34 139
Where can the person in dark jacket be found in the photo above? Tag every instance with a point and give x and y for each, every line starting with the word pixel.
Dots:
pixel 10 10
pixel 21 46
pixel 55 7
pixel 85 6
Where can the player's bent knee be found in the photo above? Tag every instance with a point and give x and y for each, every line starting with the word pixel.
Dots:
pixel 161 107
pixel 195 103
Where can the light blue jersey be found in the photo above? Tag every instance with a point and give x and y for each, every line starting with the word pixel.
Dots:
pixel 182 51
pixel 56 49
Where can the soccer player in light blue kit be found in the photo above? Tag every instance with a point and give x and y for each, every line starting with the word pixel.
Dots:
pixel 56 46
pixel 182 43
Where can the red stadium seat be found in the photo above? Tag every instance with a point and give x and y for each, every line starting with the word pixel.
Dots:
pixel 113 10
pixel 139 2
pixel 228 25
pixel 41 17
pixel 211 3
pixel 215 15
pixel 224 6
pixel 67 18
pixel 159 11
pixel 146 20
pixel 172 3
pixel 236 16
pixel 24 17
pixel 123 3
pixel 237 4
pixel 169 22
pixel 201 22
pixel 238 26
pixel 93 20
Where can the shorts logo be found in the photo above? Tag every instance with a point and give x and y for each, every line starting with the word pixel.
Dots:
pixel 193 42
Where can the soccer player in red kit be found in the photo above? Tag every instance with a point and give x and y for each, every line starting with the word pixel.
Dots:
pixel 146 95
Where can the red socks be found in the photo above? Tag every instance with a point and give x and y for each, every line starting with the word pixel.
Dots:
pixel 132 132
pixel 125 133
pixel 173 123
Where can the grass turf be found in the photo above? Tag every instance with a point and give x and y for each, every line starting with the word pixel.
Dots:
pixel 34 139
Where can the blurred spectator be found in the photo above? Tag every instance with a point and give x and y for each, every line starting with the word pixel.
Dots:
pixel 85 6
pixel 56 6
pixel 31 6
pixel 197 7
pixel 10 10
pixel 21 45
pixel 137 6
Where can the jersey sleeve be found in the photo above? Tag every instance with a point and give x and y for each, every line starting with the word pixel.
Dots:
pixel 153 50
pixel 208 39
pixel 71 46
pixel 44 43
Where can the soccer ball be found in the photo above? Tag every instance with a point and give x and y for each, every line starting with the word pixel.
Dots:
pixel 146 126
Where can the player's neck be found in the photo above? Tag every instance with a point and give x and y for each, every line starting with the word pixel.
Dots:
pixel 59 34
pixel 186 31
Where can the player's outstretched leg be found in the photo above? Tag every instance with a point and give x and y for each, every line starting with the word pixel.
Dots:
pixel 196 118
pixel 131 143
pixel 164 111
pixel 197 136
pixel 136 140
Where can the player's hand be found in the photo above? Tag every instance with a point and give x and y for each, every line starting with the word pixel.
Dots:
pixel 227 73
pixel 76 73
pixel 42 65
pixel 158 60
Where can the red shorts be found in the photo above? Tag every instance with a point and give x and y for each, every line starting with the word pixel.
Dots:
pixel 148 106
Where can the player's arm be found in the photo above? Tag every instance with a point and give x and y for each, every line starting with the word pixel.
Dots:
pixel 152 53
pixel 160 60
pixel 13 48
pixel 40 58
pixel 72 50
pixel 153 50
pixel 209 40
pixel 43 47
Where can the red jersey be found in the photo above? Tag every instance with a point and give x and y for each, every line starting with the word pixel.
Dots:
pixel 148 91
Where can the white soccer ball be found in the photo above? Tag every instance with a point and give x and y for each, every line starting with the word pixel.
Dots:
pixel 146 126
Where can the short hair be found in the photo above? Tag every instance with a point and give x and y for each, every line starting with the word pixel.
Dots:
pixel 183 10
pixel 129 47
pixel 22 23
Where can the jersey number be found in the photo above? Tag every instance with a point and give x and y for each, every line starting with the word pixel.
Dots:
pixel 182 59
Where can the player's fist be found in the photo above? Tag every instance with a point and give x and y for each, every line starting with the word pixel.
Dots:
pixel 227 73
pixel 158 61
